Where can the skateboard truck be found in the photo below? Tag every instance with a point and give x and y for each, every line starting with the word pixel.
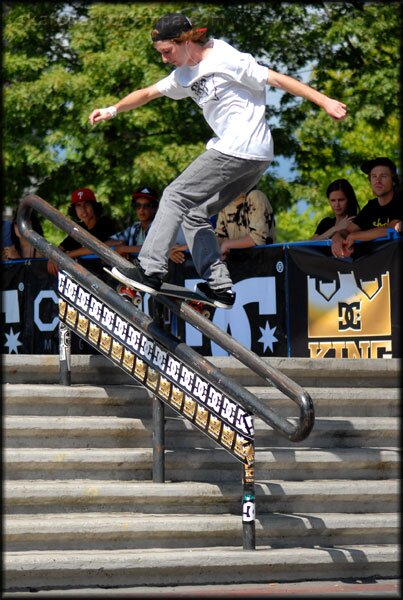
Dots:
pixel 199 307
pixel 130 294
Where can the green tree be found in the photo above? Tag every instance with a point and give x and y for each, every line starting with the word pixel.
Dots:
pixel 353 52
pixel 63 59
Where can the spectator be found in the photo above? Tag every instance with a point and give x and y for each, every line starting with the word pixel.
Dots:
pixel 246 222
pixel 343 202
pixel 6 226
pixel 8 251
pixel 20 247
pixel 85 208
pixel 379 214
pixel 145 203
pixel 129 241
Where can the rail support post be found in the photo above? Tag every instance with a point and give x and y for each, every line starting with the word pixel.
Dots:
pixel 248 503
pixel 158 416
pixel 64 354
pixel 158 441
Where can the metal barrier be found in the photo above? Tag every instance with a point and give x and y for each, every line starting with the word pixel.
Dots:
pixel 175 373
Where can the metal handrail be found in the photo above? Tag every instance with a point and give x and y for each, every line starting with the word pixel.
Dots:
pixel 294 432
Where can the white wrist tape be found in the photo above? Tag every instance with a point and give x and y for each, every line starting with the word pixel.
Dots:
pixel 112 110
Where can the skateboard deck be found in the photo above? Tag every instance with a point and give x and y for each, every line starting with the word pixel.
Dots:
pixel 194 299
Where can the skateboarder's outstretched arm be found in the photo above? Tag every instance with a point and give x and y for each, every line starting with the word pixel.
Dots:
pixel 335 109
pixel 132 100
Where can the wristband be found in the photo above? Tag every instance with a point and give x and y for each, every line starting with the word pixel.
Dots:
pixel 112 110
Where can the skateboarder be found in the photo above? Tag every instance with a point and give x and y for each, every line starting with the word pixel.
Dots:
pixel 229 87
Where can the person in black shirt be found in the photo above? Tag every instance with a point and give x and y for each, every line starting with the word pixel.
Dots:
pixel 85 208
pixel 343 202
pixel 379 214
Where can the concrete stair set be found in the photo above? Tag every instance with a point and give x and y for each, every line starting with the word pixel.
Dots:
pixel 81 508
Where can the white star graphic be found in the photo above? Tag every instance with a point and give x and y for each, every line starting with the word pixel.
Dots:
pixel 268 338
pixel 12 342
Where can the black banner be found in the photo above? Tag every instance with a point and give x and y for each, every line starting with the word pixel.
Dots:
pixel 294 300
pixel 29 308
pixel 30 316
pixel 258 318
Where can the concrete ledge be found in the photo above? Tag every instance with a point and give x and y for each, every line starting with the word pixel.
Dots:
pixel 110 431
pixel 200 465
pixel 18 368
pixel 128 530
pixel 192 497
pixel 56 569
pixel 372 587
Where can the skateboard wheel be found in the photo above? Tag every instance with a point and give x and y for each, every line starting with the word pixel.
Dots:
pixel 206 313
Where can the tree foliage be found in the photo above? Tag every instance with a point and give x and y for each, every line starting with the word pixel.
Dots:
pixel 61 60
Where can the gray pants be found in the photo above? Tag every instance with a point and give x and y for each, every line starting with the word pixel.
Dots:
pixel 206 186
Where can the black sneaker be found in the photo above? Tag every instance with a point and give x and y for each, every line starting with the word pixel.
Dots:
pixel 223 298
pixel 135 277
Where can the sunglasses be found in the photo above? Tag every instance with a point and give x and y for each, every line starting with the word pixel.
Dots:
pixel 138 205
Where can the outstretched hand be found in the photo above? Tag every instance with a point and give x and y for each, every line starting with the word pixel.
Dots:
pixel 335 109
pixel 101 114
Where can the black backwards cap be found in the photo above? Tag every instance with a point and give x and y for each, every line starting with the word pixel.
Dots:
pixel 382 161
pixel 170 26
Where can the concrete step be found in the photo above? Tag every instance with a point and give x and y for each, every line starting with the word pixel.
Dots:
pixel 136 567
pixel 23 431
pixel 77 432
pixel 337 402
pixel 200 464
pixel 59 496
pixel 326 373
pixel 114 531
pixel 368 587
pixel 134 401
pixel 76 400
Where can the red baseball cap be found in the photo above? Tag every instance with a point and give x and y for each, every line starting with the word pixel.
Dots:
pixel 83 195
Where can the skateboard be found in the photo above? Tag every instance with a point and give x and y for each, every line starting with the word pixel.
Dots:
pixel 178 292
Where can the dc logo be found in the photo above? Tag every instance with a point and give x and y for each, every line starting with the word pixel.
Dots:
pixel 248 511
pixel 349 316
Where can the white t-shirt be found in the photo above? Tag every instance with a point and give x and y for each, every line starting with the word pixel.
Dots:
pixel 229 86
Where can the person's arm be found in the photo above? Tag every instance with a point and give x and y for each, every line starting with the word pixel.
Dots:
pixel 132 100
pixel 335 109
pixel 339 247
pixel 51 266
pixel 370 234
pixel 75 253
pixel 123 249
pixel 329 233
pixel 177 253
pixel 246 241
pixel 79 252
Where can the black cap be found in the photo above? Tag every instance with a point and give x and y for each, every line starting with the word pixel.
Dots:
pixel 145 192
pixel 170 26
pixel 382 161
